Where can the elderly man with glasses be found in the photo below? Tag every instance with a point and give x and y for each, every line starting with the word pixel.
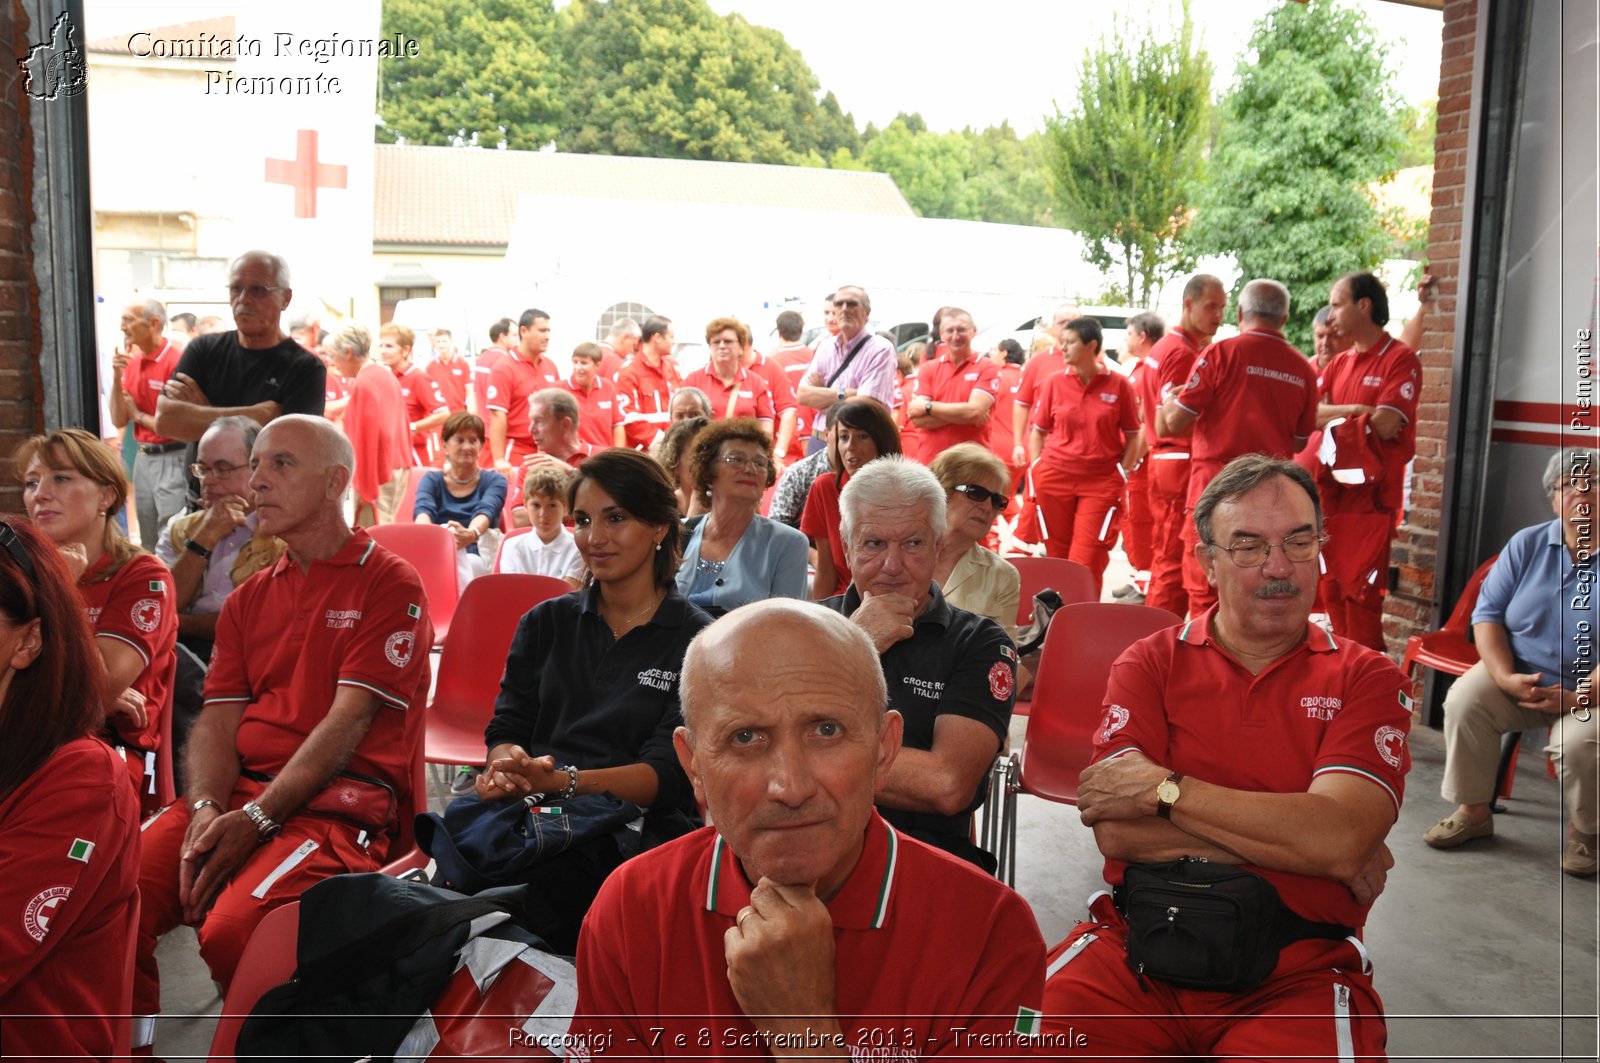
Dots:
pixel 216 548
pixel 854 363
pixel 1246 753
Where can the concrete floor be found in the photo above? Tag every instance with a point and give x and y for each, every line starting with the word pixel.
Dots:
pixel 1486 952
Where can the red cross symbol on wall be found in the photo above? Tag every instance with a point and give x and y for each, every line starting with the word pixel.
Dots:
pixel 306 174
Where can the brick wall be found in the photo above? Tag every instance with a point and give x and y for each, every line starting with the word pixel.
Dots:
pixel 1409 608
pixel 21 389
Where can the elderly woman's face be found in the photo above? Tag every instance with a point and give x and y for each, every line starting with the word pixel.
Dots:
pixel 741 472
pixel 463 447
pixel 64 503
pixel 725 353
pixel 968 517
pixel 1574 502
pixel 685 406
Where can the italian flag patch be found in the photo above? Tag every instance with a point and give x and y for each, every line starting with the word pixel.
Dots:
pixel 1028 1022
pixel 80 850
pixel 157 586
pixel 413 611
pixel 1406 703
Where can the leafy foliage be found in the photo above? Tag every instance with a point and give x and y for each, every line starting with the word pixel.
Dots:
pixel 1126 157
pixel 1309 123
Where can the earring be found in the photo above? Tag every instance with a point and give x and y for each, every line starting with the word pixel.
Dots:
pixel 658 547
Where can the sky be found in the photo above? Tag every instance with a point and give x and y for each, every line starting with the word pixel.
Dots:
pixel 960 63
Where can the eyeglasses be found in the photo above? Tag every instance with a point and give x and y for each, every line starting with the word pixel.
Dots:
pixel 747 461
pixel 221 470
pixel 1580 486
pixel 846 304
pixel 13 543
pixel 254 291
pixel 1253 553
pixel 981 494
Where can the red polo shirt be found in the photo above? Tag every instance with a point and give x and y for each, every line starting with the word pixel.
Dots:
pixel 777 382
pixel 481 368
pixel 1252 394
pixel 943 381
pixel 1084 424
pixel 1035 371
pixel 648 393
pixel 600 410
pixel 1388 375
pixel 820 522
pixel 1167 368
pixel 793 360
pixel 334 388
pixel 929 953
pixel 610 362
pixel 288 639
pixel 754 397
pixel 512 382
pixel 143 378
pixel 452 379
pixel 422 398
pixel 1000 436
pixel 376 425
pixel 1327 706
pixel 137 605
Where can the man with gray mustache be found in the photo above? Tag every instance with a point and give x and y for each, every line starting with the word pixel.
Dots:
pixel 1259 746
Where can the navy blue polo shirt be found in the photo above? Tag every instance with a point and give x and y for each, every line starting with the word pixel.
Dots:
pixel 955 663
pixel 573 691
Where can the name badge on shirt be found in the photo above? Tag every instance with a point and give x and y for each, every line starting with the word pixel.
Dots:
pixel 970 376
pixel 1372 381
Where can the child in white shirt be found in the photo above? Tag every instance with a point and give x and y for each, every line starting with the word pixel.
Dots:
pixel 548 549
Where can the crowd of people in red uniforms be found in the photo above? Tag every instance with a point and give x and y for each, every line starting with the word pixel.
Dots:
pixel 1097 454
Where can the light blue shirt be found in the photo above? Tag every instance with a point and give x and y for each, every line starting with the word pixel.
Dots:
pixel 1546 602
pixel 768 561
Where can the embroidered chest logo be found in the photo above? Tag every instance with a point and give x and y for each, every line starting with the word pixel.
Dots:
pixel 146 614
pixel 1321 708
pixel 1391 743
pixel 970 376
pixel 342 618
pixel 1114 720
pixel 36 917
pixel 657 678
pixel 1372 381
pixel 398 648
pixel 1001 681
pixel 93 613
pixel 931 689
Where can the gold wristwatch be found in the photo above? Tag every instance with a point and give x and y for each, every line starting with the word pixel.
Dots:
pixel 1167 794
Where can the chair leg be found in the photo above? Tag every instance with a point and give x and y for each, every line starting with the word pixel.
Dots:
pixel 1013 787
pixel 991 814
pixel 1506 773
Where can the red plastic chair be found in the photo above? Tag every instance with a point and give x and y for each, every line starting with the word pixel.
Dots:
pixel 1074 582
pixel 474 660
pixel 511 534
pixel 1450 649
pixel 406 514
pixel 166 784
pixel 268 960
pixel 405 855
pixel 431 549
pixel 1068 703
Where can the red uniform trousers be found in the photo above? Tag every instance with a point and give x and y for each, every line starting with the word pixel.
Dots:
pixel 1355 563
pixel 1136 529
pixel 1079 519
pixel 233 918
pixel 1169 490
pixel 1317 1003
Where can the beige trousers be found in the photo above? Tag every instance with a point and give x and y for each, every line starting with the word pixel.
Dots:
pixel 1477 713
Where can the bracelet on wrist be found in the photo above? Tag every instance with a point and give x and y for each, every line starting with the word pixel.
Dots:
pixel 264 824
pixel 196 806
pixel 195 547
pixel 572 782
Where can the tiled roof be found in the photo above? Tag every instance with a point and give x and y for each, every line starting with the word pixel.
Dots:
pixel 468 196
pixel 211 29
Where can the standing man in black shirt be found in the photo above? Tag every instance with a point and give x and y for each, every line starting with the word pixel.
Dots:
pixel 255 371
pixel 952 674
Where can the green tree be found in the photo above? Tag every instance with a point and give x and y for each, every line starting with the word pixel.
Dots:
pixel 1417 128
pixel 1125 158
pixel 1310 122
pixel 930 168
pixel 487 74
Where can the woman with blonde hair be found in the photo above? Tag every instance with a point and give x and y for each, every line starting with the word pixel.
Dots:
pixel 73 487
pixel 972 576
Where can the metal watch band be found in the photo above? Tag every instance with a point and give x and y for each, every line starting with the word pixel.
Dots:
pixel 203 802
pixel 263 823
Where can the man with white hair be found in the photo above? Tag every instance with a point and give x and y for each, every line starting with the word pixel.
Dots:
pixel 299 761
pixel 855 362
pixel 952 674
pixel 1253 393
pixel 801 923
pixel 141 368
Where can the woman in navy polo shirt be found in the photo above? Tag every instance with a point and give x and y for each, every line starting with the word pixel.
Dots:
pixel 589 699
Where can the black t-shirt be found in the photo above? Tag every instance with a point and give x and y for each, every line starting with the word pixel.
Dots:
pixel 573 691
pixel 232 375
pixel 955 662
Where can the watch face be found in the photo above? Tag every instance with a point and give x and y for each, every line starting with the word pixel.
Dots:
pixel 1167 791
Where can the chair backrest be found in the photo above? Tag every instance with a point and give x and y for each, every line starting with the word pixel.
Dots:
pixel 1083 642
pixel 474 657
pixel 1460 619
pixel 403 854
pixel 268 960
pixel 166 783
pixel 1074 582
pixel 513 499
pixel 512 534
pixel 408 498
pixel 431 549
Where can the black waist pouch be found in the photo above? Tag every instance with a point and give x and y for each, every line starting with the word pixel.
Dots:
pixel 1200 925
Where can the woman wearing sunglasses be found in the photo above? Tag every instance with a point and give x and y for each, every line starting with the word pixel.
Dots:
pixel 73 486
pixel 69 820
pixel 972 576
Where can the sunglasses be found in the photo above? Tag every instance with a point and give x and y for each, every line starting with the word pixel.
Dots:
pixel 980 494
pixel 13 542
